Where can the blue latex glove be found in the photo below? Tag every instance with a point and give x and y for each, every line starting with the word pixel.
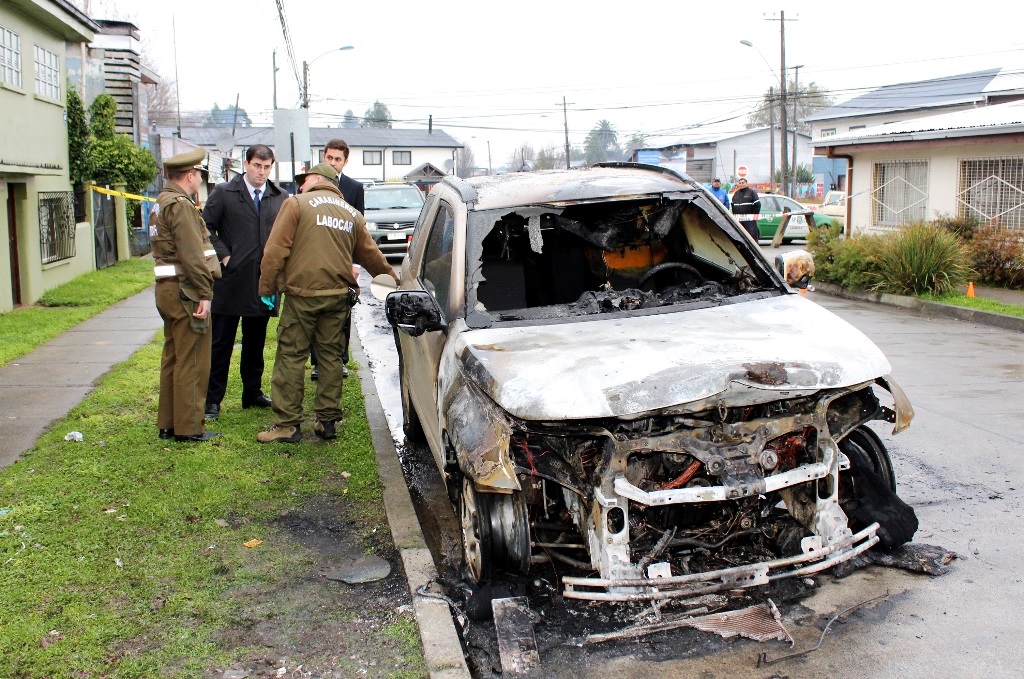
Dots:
pixel 269 300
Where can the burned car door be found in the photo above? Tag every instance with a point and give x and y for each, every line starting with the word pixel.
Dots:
pixel 420 354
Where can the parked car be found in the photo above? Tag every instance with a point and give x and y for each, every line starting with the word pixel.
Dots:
pixel 391 212
pixel 774 206
pixel 612 378
pixel 834 206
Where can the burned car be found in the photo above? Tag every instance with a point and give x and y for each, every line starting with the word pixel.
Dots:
pixel 612 378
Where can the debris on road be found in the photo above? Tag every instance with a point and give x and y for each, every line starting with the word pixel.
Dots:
pixel 367 568
pixel 517 644
pixel 761 622
pixel 74 436
pixel 252 543
pixel 913 557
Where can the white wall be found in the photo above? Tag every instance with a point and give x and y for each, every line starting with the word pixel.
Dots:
pixel 943 175
pixel 753 150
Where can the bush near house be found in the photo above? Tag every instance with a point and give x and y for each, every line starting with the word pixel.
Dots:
pixel 917 259
pixel 996 252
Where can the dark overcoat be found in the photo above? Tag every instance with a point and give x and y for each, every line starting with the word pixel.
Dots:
pixel 353 192
pixel 236 230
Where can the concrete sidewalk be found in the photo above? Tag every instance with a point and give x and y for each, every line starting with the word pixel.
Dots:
pixel 43 385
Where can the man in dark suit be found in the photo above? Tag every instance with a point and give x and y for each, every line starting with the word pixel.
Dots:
pixel 239 215
pixel 336 155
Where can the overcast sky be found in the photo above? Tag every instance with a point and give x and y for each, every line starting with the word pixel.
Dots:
pixel 497 72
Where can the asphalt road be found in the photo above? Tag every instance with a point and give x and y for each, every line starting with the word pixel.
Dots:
pixel 958 465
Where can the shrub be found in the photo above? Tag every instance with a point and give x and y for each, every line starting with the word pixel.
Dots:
pixel 850 262
pixel 963 226
pixel 920 258
pixel 997 255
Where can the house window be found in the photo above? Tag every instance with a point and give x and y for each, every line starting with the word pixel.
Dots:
pixel 828 132
pixel 10 57
pixel 899 193
pixel 56 226
pixel 992 189
pixel 401 157
pixel 373 157
pixel 47 74
pixel 854 128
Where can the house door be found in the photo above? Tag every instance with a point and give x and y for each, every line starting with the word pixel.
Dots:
pixel 12 244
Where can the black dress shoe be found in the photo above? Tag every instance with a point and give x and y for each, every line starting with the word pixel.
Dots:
pixel 167 433
pixel 205 436
pixel 212 411
pixel 260 400
pixel 315 375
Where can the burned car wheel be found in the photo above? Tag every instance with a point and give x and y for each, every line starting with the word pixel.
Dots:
pixel 495 532
pixel 867 491
pixel 410 419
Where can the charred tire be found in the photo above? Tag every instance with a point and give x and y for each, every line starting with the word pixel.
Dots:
pixel 495 532
pixel 862 443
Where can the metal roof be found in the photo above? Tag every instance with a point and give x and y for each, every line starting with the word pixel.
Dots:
pixel 361 137
pixel 965 88
pixel 985 120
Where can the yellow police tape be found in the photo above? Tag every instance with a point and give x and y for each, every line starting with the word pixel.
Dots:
pixel 131 196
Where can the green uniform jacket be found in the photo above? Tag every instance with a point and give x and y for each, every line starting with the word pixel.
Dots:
pixel 179 238
pixel 315 240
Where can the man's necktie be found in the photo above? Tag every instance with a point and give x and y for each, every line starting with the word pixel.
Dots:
pixel 256 199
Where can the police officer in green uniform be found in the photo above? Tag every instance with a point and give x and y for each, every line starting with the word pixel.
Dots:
pixel 316 238
pixel 186 266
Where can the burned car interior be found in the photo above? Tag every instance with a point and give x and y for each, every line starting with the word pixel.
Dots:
pixel 710 427
pixel 600 257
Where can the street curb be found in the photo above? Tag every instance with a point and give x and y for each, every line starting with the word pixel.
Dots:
pixel 442 649
pixel 925 307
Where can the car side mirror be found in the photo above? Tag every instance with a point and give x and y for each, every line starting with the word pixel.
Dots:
pixel 414 312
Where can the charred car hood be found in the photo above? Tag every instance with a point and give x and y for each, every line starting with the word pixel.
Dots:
pixel 625 366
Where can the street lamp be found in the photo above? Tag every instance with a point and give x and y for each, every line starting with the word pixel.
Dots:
pixel 782 108
pixel 305 72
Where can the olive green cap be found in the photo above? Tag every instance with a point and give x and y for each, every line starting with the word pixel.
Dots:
pixel 323 169
pixel 190 160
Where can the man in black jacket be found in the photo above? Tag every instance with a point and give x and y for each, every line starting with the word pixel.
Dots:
pixel 239 215
pixel 746 202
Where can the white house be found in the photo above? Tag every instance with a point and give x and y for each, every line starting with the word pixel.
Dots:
pixel 722 154
pixel 375 154
pixel 910 101
pixel 968 162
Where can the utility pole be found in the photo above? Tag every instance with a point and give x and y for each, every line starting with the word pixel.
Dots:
pixel 489 170
pixel 796 125
pixel 783 120
pixel 565 120
pixel 305 85
pixel 771 136
pixel 275 76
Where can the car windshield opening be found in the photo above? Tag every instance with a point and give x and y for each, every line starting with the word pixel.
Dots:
pixel 543 261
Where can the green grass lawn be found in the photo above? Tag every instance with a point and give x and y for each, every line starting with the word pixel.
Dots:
pixel 123 555
pixel 977 303
pixel 67 305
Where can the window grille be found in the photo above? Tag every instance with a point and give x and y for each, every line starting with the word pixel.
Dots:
pixel 992 189
pixel 47 74
pixel 372 157
pixel 899 192
pixel 56 226
pixel 10 57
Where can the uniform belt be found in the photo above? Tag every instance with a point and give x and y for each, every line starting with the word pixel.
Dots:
pixel 167 270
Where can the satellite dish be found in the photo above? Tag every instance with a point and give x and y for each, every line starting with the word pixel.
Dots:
pixel 449 164
pixel 225 142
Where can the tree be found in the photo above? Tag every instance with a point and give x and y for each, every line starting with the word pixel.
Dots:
pixel 602 143
pixel 465 162
pixel 116 159
pixel 810 99
pixel 79 139
pixel 804 175
pixel 377 115
pixel 549 158
pixel 350 120
pixel 226 116
pixel 163 103
pixel 521 159
pixel 636 141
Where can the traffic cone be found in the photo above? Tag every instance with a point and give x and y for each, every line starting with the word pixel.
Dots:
pixel 970 289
